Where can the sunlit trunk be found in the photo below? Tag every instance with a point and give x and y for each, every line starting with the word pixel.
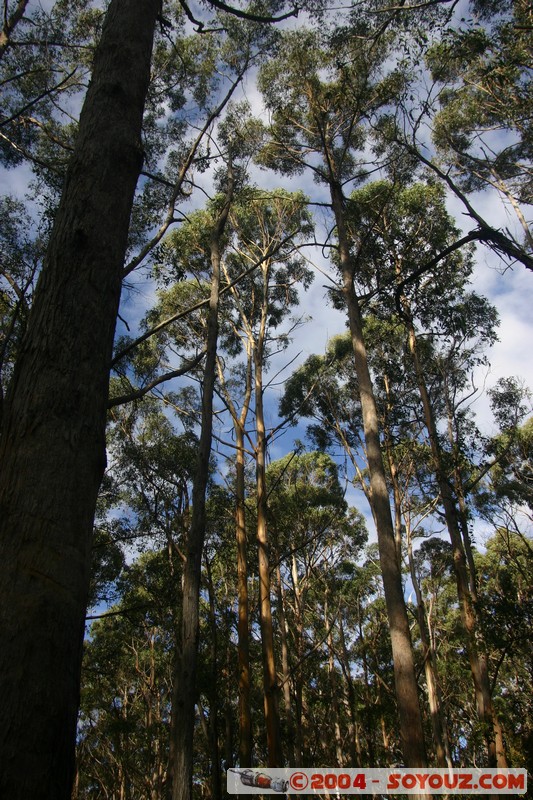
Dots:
pixel 411 728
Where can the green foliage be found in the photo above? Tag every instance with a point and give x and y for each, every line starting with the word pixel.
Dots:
pixel 505 570
pixel 484 125
pixel 322 93
pixel 333 95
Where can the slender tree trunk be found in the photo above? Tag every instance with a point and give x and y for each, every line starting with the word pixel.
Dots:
pixel 438 724
pixel 270 682
pixel 476 656
pixel 285 670
pixel 243 624
pixel 354 745
pixel 334 686
pixel 214 745
pixel 299 701
pixel 184 695
pixel 461 510
pixel 397 494
pixel 228 705
pixel 243 632
pixel 411 728
pixel 53 439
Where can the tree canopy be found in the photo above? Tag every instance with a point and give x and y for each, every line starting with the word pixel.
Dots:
pixel 264 483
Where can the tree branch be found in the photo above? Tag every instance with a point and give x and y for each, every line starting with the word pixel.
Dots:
pixel 138 393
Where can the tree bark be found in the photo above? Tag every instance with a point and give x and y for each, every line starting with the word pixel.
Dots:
pixel 180 770
pixel 411 728
pixel 270 681
pixel 53 440
pixel 476 655
pixel 285 669
pixel 438 722
pixel 243 626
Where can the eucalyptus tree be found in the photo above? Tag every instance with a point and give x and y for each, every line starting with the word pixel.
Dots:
pixel 322 95
pixel 266 228
pixel 53 434
pixel 456 324
pixel 313 535
pixel 52 463
pixel 482 125
pixel 259 270
pixel 424 336
pixel 181 751
pixel 184 695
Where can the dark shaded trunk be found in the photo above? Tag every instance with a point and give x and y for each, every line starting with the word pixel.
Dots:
pixel 213 694
pixel 53 440
pixel 180 770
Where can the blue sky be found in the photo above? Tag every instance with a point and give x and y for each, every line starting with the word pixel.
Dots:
pixel 511 292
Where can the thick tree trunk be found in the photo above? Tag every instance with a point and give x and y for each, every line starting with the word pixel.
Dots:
pixel 53 440
pixel 180 770
pixel 411 729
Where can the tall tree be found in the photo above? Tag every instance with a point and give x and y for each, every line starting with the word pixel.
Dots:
pixel 327 95
pixel 266 228
pixel 53 434
pixel 184 696
pixel 52 447
pixel 399 238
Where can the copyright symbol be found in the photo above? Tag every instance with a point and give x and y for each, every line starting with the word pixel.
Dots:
pixel 299 781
